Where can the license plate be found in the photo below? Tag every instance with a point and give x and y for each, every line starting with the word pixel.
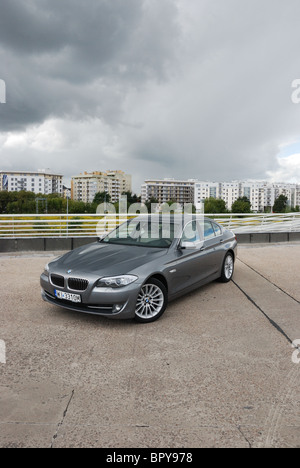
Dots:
pixel 68 296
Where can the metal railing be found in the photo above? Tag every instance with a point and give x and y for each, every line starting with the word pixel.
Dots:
pixel 263 222
pixel 85 225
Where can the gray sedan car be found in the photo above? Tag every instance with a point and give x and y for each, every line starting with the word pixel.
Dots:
pixel 135 270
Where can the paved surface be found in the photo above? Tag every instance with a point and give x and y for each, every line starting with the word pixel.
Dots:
pixel 215 371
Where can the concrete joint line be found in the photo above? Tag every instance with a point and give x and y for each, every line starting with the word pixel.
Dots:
pixel 274 324
pixel 243 435
pixel 269 281
pixel 62 421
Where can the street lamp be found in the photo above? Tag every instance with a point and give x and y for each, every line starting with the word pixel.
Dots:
pixel 67 197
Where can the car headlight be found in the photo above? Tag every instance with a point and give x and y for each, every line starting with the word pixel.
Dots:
pixel 116 281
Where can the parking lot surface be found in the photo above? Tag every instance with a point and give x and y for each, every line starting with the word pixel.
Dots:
pixel 217 370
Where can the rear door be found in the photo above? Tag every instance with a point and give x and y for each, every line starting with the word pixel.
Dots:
pixel 212 234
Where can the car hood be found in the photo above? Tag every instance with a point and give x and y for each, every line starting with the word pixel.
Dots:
pixel 105 259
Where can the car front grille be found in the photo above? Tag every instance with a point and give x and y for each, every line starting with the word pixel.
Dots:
pixel 58 280
pixel 77 284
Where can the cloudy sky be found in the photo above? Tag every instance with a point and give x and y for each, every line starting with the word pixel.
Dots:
pixel 158 88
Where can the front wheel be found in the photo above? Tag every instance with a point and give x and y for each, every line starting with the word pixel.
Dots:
pixel 227 268
pixel 151 302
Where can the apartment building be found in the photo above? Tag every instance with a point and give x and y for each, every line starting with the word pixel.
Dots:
pixel 85 186
pixel 261 194
pixel 163 190
pixel 43 181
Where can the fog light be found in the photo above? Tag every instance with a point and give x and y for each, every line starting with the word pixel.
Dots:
pixel 117 308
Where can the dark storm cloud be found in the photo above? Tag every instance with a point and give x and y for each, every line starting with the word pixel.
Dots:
pixel 79 58
pixel 182 88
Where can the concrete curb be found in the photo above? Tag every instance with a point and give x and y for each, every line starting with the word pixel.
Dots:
pixel 47 244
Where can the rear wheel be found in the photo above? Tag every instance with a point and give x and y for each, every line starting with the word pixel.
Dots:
pixel 227 268
pixel 151 302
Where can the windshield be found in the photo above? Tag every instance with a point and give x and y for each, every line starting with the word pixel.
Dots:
pixel 147 233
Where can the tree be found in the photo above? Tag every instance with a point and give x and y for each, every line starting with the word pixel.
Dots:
pixel 102 197
pixel 241 205
pixel 152 201
pixel 6 198
pixel 280 204
pixel 131 198
pixel 214 205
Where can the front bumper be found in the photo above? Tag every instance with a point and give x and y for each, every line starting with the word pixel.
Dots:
pixel 109 302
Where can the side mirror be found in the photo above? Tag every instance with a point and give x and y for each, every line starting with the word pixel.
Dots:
pixel 191 245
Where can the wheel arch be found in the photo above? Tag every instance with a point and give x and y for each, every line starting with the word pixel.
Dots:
pixel 159 277
pixel 231 251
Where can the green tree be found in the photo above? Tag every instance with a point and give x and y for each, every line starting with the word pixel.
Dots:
pixel 6 198
pixel 21 203
pixel 280 204
pixel 132 198
pixel 150 202
pixel 214 205
pixel 102 197
pixel 241 205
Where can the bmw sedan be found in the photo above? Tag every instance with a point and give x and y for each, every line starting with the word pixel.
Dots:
pixel 136 269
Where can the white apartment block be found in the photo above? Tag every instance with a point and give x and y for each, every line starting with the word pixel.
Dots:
pixel 85 186
pixel 164 190
pixel 42 181
pixel 261 194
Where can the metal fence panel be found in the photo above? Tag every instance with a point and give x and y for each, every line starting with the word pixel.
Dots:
pixel 85 225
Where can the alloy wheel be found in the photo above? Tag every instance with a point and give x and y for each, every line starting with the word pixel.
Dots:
pixel 228 267
pixel 150 302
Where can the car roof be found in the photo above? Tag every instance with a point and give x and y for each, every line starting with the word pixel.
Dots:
pixel 172 218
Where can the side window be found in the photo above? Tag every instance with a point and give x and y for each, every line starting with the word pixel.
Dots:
pixel 209 232
pixel 190 233
pixel 217 229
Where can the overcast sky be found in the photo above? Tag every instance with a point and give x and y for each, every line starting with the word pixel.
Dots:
pixel 157 88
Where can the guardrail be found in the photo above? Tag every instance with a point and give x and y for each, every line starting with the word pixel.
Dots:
pixel 260 223
pixel 85 225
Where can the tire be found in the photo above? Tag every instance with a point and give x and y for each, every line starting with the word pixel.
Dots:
pixel 151 302
pixel 227 268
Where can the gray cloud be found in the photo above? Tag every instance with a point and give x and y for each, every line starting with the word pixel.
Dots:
pixel 158 88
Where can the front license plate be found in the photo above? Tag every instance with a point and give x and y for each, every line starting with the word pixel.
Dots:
pixel 67 296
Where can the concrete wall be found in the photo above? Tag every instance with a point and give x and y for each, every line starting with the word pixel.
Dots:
pixel 71 243
pixel 44 244
pixel 268 237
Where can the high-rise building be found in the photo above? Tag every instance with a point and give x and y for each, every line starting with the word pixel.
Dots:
pixel 164 190
pixel 42 181
pixel 261 194
pixel 85 186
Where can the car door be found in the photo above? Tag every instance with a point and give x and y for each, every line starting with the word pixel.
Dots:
pixel 212 246
pixel 190 265
pixel 219 245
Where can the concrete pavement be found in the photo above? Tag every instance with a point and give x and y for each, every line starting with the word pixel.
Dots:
pixel 215 371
